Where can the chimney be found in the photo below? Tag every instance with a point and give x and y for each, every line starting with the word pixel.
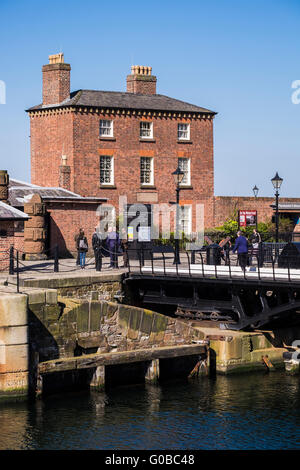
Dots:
pixel 56 80
pixel 141 81
pixel 4 181
pixel 64 174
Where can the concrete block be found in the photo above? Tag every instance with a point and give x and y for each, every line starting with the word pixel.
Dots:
pixel 14 335
pixel 15 357
pixel 147 321
pixel 95 316
pixel 37 297
pixel 51 296
pixel 13 310
pixel 83 318
pixel 134 324
pixel 13 384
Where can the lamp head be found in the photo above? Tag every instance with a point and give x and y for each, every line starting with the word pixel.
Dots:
pixel 255 190
pixel 178 175
pixel 276 181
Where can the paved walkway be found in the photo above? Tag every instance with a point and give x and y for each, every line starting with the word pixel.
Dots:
pixel 44 269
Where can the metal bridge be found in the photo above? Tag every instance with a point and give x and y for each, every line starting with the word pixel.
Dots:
pixel 236 298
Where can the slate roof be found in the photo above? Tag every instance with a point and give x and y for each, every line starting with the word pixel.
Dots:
pixel 8 212
pixel 124 100
pixel 20 192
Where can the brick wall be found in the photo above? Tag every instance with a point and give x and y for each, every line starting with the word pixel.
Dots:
pixel 225 206
pixel 141 84
pixel 19 241
pixel 56 83
pixel 76 134
pixel 5 243
pixel 65 221
pixel 51 137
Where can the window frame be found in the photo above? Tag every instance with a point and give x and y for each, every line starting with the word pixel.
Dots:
pixel 190 209
pixel 188 130
pixel 151 183
pixel 111 183
pixel 103 136
pixel 151 130
pixel 188 183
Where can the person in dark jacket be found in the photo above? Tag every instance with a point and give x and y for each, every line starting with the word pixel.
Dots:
pixel 82 247
pixel 124 245
pixel 241 246
pixel 77 235
pixel 255 249
pixel 112 243
pixel 97 247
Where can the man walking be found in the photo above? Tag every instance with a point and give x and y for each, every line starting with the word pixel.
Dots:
pixel 76 237
pixel 112 243
pixel 241 246
pixel 97 247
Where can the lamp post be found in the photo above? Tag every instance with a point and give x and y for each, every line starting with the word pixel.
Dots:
pixel 255 192
pixel 276 181
pixel 178 175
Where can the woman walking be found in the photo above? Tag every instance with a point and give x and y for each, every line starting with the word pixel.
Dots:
pixel 255 249
pixel 82 247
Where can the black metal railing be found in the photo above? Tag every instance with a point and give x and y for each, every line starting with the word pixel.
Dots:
pixel 257 270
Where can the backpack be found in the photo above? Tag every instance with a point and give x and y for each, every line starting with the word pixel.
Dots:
pixel 82 244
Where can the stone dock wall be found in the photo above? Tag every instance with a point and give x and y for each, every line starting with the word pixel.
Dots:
pixel 107 286
pixel 77 316
pixel 39 325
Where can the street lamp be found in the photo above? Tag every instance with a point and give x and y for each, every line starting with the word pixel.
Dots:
pixel 276 181
pixel 178 175
pixel 255 191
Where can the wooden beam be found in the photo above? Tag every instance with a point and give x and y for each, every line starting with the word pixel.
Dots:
pixel 113 358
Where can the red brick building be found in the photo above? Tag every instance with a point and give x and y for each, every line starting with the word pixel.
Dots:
pixel 122 143
pixel 107 144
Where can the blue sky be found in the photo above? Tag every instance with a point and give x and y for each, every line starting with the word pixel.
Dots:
pixel 238 58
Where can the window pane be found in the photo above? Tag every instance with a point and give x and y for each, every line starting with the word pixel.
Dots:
pixel 184 165
pixel 106 127
pixel 145 129
pixel 146 170
pixel 185 219
pixel 183 131
pixel 106 170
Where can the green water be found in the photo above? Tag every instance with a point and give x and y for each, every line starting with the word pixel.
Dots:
pixel 250 411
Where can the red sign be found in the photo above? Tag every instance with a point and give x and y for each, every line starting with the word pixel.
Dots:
pixel 247 218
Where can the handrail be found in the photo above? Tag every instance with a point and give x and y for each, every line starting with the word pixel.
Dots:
pixel 152 264
pixel 273 267
pixel 188 257
pixel 258 267
pixel 203 273
pixel 229 267
pixel 289 273
pixel 164 263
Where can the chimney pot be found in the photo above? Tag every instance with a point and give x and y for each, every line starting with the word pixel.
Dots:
pixel 141 80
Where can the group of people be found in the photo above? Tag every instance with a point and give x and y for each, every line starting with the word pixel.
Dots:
pixel 109 244
pixel 245 255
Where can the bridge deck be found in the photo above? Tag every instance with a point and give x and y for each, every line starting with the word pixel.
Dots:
pixel 222 272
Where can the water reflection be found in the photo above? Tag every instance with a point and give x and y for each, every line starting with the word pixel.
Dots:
pixel 250 411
